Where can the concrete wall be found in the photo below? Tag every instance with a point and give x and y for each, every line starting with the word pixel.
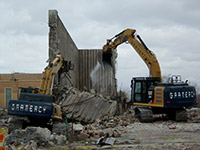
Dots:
pixel 61 42
pixel 85 61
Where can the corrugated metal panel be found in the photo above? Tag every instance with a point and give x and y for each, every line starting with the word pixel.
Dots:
pixel 95 76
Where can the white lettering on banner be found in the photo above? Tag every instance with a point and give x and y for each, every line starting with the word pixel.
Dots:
pixel 44 109
pixel 17 107
pixel 13 107
pixel 28 108
pixel 40 109
pixel 21 107
pixel 31 108
pixel 186 94
pixel 35 109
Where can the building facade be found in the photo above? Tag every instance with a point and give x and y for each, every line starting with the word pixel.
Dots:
pixel 10 83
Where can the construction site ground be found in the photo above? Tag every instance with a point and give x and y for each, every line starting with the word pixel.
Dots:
pixel 151 136
pixel 160 135
pixel 123 132
pixel 157 135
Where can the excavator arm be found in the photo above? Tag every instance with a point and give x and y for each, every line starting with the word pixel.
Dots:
pixel 136 42
pixel 48 75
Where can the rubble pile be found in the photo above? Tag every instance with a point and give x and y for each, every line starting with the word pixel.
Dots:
pixel 89 132
pixel 106 127
pixel 114 121
pixel 84 106
pixel 37 136
pixel 104 131
pixel 194 115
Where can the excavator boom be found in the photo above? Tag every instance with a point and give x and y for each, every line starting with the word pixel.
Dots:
pixel 129 35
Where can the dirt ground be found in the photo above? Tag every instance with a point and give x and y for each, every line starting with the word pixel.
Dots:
pixel 159 135
pixel 147 136
pixel 131 134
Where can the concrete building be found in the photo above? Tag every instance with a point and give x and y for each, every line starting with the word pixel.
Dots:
pixel 87 74
pixel 10 83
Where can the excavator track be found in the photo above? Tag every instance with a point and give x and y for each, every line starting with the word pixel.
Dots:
pixel 181 115
pixel 144 114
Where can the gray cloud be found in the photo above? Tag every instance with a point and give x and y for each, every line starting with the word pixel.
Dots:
pixel 169 28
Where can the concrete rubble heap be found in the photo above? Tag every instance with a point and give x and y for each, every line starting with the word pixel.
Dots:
pixel 34 135
pixel 105 126
pixel 194 115
pixel 84 106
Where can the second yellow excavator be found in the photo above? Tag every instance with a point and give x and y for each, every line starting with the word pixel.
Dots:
pixel 148 94
pixel 38 106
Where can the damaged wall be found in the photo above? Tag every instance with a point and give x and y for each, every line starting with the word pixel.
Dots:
pixel 95 76
pixel 61 42
pixel 84 61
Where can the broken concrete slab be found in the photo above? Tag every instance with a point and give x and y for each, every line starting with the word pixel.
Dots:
pixel 84 106
pixel 78 127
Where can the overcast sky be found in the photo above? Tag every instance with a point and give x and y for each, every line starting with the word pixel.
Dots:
pixel 170 28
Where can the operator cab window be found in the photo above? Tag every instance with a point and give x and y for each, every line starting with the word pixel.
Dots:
pixel 141 91
pixel 138 90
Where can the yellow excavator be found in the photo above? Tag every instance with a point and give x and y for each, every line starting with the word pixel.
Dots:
pixel 38 107
pixel 148 94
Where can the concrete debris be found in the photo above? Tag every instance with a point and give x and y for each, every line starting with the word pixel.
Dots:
pixel 172 126
pixel 84 106
pixel 59 128
pixel 31 133
pixel 31 146
pixel 39 137
pixel 105 141
pixel 58 139
pixel 3 118
pixel 119 131
pixel 194 115
pixel 78 127
pixel 27 146
pixel 110 141
pixel 108 127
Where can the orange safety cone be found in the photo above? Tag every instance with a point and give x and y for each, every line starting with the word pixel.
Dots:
pixel 2 142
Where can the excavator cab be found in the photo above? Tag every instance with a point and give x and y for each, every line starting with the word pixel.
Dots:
pixel 140 87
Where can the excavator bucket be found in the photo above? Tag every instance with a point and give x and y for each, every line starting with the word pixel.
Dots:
pixel 104 58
